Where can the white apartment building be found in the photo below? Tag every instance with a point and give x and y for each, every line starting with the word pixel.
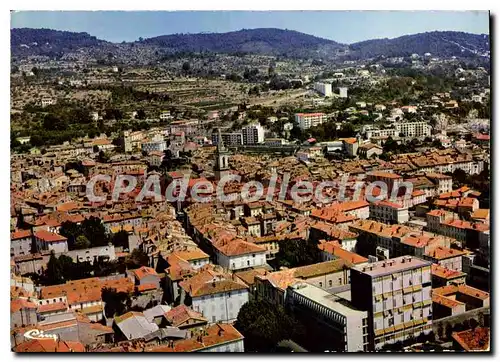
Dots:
pixel 324 88
pixel 275 142
pixel 389 212
pixel 240 255
pixel 253 134
pixel 413 129
pixel 165 115
pixel 343 92
pixel 219 299
pixel 229 138
pixel 332 315
pixel 47 101
pixel 308 120
pixel 397 295
pixel 383 132
pixel 156 144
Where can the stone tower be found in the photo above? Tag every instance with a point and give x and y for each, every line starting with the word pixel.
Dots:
pixel 222 158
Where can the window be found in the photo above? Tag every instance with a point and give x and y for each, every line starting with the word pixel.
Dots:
pixel 320 284
pixel 330 282
pixel 253 255
pixel 213 318
pixel 248 262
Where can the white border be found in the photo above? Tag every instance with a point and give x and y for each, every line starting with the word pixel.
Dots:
pixel 192 5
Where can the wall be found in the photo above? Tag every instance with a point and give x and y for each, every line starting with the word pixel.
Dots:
pixel 91 253
pixel 440 325
pixel 241 261
pixel 221 307
pixel 227 347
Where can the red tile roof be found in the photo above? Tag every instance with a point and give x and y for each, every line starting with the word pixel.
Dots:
pixel 143 272
pixel 18 304
pixel 49 345
pixel 20 234
pixel 214 335
pixel 49 237
pixel 477 339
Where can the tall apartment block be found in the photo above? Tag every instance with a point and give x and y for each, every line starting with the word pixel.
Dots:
pixel 253 134
pixel 397 295
pixel 331 321
pixel 324 88
pixel 308 120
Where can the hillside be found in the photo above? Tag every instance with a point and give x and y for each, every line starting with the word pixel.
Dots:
pixel 25 42
pixel 438 43
pixel 256 41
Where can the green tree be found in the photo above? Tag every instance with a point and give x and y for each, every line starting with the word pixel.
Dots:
pixel 264 325
pixel 296 252
pixel 68 267
pixel 141 114
pixel 115 303
pixel 71 231
pixel 136 259
pixel 82 242
pixel 186 67
pixel 54 274
pixel 93 229
pixel 120 239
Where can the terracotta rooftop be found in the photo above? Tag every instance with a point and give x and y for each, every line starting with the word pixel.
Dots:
pixel 336 250
pixel 214 335
pixel 49 237
pixel 180 314
pixel 445 273
pixel 20 234
pixel 477 339
pixel 143 272
pixel 18 304
pixel 49 345
pixel 441 252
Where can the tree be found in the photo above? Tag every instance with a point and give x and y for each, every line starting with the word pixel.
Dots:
pixel 264 325
pixel 136 259
pixel 71 231
pixel 54 271
pixel 120 239
pixel 115 303
pixel 296 252
pixel 186 67
pixel 82 242
pixel 141 114
pixel 68 267
pixel 54 123
pixel 93 229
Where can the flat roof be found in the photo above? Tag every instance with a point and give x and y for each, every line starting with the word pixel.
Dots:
pixel 390 266
pixel 327 300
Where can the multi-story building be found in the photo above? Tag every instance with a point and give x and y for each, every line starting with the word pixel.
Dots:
pixel 21 242
pixel 308 120
pixel 397 295
pixel 414 129
pixel 389 212
pixel 343 92
pixel 215 294
pixel 324 88
pixel 446 257
pixel 155 144
pixel 229 138
pixel 253 134
pixel 335 323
